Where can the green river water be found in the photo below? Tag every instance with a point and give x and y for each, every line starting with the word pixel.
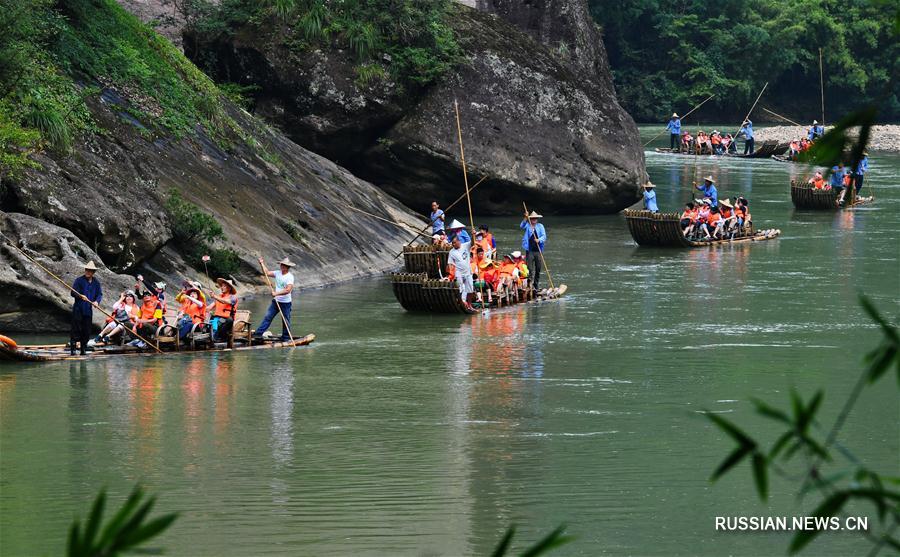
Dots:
pixel 402 434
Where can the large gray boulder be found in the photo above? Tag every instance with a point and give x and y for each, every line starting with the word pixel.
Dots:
pixel 540 122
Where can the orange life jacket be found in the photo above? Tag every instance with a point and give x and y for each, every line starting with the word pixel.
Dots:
pixel 192 310
pixel 819 183
pixel 507 268
pixel 224 309
pixel 688 214
pixel 847 179
pixel 726 212
pixel 151 308
pixel 740 212
pixel 714 218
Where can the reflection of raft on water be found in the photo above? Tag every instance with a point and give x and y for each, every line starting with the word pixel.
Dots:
pixel 804 196
pixel 420 287
pixel 52 352
pixel 664 230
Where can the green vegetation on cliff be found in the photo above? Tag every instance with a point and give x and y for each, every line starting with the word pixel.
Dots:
pixel 410 40
pixel 56 55
pixel 668 56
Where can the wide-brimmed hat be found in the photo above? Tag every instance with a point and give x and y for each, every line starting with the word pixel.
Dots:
pixel 726 203
pixel 675 115
pixel 287 262
pixel 159 285
pixel 195 284
pixel 89 266
pixel 220 281
pixel 456 225
pixel 128 293
pixel 516 254
pixel 709 178
pixel 535 215
pixel 649 184
pixel 815 122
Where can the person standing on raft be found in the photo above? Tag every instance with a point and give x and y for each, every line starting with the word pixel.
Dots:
pixel 284 285
pixel 532 246
pixel 87 292
pixel 650 197
pixel 674 127
pixel 747 131
pixel 459 265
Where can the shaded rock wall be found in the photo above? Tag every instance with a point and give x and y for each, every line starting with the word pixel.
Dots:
pixel 540 124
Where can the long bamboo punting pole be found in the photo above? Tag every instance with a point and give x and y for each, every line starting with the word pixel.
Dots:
pixel 284 320
pixel 431 222
pixel 682 119
pixel 462 156
pixel 540 251
pixel 80 295
pixel 751 109
pixel 782 117
pixel 389 221
pixel 822 86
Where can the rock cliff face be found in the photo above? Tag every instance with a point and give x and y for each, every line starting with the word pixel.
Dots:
pixel 106 201
pixel 540 122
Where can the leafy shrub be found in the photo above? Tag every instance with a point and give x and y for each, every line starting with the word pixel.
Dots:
pixel 189 223
pixel 369 73
pixel 16 143
pixel 239 94
pixel 223 262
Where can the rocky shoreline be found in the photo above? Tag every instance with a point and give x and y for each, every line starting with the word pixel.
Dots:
pixel 883 138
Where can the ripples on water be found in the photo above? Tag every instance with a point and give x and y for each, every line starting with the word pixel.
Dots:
pixel 421 435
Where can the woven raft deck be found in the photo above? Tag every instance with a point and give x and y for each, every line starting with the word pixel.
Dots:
pixel 804 196
pixel 55 352
pixel 664 230
pixel 421 288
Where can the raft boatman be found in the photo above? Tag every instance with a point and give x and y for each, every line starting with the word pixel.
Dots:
pixel 284 285
pixel 533 244
pixel 747 131
pixel 457 228
pixel 674 127
pixel 437 219
pixel 87 292
pixel 859 172
pixel 459 265
pixel 650 197
pixel 708 187
pixel 816 131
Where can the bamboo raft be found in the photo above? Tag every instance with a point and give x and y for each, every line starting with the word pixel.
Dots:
pixel 57 352
pixel 767 150
pixel 421 288
pixel 664 230
pixel 804 196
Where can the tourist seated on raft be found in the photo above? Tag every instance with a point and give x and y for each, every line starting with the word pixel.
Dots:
pixel 508 275
pixel 222 311
pixel 818 181
pixel 688 219
pixel 687 142
pixel 484 244
pixel 192 310
pixel 158 289
pixel 744 213
pixel 728 224
pixel 715 140
pixel 150 317
pixel 489 239
pixel 483 276
pixel 728 143
pixel 125 311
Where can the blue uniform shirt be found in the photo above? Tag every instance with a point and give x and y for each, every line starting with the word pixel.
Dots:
pixel 674 126
pixel 437 223
pixel 711 192
pixel 650 201
pixel 530 231
pixel 815 131
pixel 91 290
pixel 837 178
pixel 463 236
pixel 747 130
pixel 863 166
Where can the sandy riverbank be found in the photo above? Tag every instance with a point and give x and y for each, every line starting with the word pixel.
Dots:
pixel 883 138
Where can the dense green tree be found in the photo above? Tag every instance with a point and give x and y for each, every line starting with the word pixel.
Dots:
pixel 669 56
